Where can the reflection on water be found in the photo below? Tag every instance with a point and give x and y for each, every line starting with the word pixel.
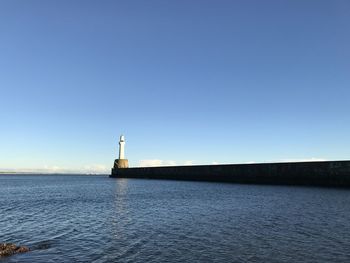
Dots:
pixel 98 219
pixel 121 216
pixel 120 196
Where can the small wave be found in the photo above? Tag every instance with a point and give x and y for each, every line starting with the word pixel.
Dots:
pixel 46 244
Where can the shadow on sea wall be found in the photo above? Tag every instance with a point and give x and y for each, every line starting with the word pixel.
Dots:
pixel 330 173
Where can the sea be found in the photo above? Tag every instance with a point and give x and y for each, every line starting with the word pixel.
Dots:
pixel 88 218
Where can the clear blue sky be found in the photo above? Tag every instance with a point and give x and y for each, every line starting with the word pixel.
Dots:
pixel 201 81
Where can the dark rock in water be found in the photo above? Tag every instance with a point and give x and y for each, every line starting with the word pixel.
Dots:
pixel 8 249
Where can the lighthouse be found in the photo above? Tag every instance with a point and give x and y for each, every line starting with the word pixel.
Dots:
pixel 121 147
pixel 121 162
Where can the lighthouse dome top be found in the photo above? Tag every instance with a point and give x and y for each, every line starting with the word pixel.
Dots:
pixel 122 138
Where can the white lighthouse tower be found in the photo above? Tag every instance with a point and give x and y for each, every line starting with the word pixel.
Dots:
pixel 121 147
pixel 121 162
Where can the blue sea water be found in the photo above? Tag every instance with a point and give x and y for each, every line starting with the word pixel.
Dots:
pixel 77 218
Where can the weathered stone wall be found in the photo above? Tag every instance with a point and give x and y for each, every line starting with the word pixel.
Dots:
pixel 332 173
pixel 121 163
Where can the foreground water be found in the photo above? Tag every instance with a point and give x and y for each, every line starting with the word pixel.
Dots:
pixel 99 219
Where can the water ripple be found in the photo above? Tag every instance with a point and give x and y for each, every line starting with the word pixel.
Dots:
pixel 98 219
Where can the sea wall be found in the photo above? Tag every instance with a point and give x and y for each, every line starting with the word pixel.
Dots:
pixel 331 173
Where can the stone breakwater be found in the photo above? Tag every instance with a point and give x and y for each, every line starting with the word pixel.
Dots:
pixel 329 173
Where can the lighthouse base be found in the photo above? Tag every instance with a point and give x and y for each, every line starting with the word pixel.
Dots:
pixel 121 163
